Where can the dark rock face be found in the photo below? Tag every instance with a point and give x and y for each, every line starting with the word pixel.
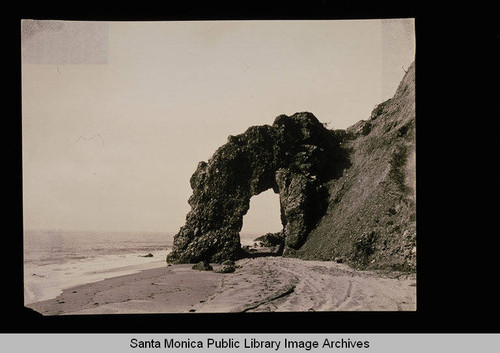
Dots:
pixel 295 157
pixel 345 195
pixel 371 218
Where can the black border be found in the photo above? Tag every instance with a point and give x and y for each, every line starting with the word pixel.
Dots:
pixel 444 304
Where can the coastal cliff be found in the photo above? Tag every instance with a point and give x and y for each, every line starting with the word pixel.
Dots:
pixel 345 195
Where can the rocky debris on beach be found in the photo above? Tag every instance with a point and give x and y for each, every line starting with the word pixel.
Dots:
pixel 344 194
pixel 148 255
pixel 202 266
pixel 226 269
pixel 272 242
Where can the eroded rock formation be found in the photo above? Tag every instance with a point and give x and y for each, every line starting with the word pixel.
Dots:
pixel 294 157
pixel 345 195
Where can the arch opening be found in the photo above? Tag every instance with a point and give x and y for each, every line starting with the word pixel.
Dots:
pixel 263 216
pixel 291 157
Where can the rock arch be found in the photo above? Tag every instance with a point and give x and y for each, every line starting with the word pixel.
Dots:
pixel 294 157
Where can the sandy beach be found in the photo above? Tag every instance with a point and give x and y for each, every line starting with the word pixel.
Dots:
pixel 258 284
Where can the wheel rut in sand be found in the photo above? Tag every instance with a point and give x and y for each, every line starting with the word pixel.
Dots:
pixel 257 282
pixel 346 298
pixel 287 284
pixel 286 292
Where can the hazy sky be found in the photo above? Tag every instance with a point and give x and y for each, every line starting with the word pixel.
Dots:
pixel 116 116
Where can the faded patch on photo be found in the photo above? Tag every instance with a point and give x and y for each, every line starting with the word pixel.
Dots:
pixel 47 42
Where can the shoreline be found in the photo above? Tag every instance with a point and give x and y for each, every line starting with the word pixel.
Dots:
pixel 271 284
pixel 47 281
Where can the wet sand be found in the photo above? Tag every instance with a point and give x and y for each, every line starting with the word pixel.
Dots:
pixel 258 284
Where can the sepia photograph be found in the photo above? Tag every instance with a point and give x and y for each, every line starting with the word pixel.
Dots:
pixel 229 166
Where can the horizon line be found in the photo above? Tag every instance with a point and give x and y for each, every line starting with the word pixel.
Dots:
pixel 58 230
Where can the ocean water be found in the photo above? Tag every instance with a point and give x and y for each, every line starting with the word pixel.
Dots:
pixel 56 260
pixel 248 239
